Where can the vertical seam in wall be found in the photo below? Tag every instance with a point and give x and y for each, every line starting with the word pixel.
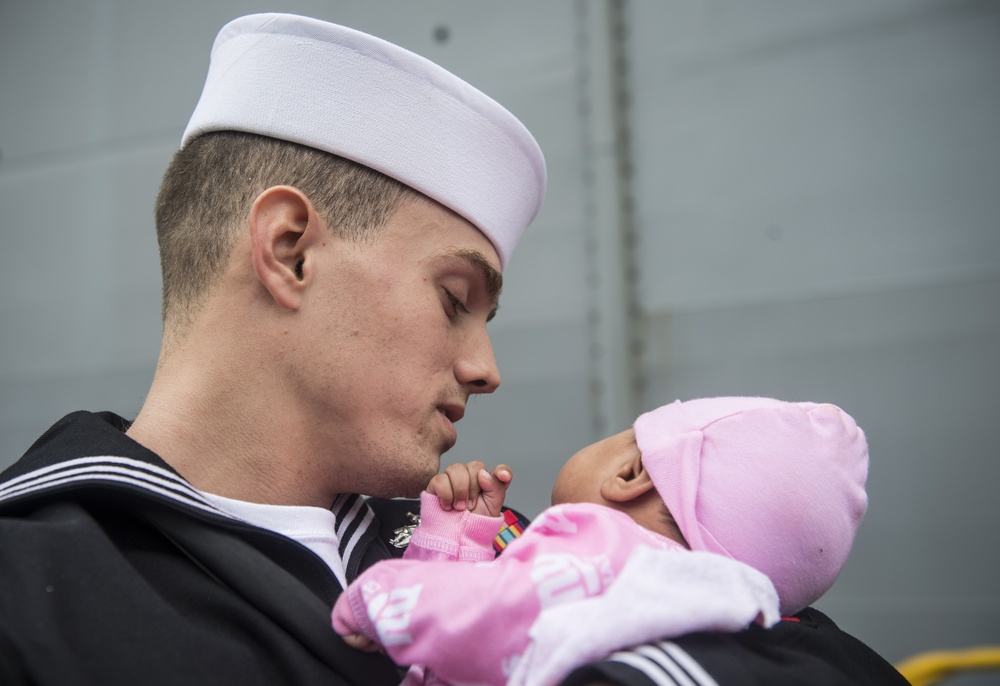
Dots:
pixel 584 108
pixel 626 202
pixel 624 229
pixel 581 44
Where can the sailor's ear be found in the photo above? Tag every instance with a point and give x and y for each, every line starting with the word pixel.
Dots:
pixel 284 229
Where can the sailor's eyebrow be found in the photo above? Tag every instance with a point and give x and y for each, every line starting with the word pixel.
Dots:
pixel 492 278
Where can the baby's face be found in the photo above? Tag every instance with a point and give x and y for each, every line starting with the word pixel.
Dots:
pixel 580 478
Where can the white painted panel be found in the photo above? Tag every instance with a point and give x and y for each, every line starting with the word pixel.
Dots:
pixel 841 166
pixel 79 270
pixel 693 35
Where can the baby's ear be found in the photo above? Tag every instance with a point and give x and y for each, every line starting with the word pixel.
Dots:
pixel 629 482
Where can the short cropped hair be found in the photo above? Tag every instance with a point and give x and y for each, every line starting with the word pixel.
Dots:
pixel 211 183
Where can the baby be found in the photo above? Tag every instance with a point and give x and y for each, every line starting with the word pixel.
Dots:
pixel 709 514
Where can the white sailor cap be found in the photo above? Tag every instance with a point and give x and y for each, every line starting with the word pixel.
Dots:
pixel 363 98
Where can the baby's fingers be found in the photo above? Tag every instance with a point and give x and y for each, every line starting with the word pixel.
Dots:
pixel 361 642
pixel 494 489
pixel 440 485
pixel 457 488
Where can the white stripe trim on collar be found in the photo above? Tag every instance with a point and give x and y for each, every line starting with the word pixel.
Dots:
pixel 665 664
pixel 122 470
pixel 649 668
pixel 688 663
pixel 656 655
pixel 349 516
pixel 360 531
pixel 149 477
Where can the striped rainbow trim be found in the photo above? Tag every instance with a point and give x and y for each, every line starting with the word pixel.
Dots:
pixel 512 528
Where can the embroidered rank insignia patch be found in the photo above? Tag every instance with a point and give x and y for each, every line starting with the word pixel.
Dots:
pixel 512 528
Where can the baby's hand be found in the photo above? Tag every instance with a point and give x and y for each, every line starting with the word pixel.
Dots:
pixel 470 487
pixel 362 642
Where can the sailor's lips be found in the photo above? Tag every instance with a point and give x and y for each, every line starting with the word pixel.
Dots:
pixel 451 413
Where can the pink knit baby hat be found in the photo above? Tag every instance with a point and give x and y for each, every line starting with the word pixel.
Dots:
pixel 777 485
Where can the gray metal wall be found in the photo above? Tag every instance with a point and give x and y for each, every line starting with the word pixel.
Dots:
pixel 774 197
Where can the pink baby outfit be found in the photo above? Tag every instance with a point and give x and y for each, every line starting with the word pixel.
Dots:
pixel 503 621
